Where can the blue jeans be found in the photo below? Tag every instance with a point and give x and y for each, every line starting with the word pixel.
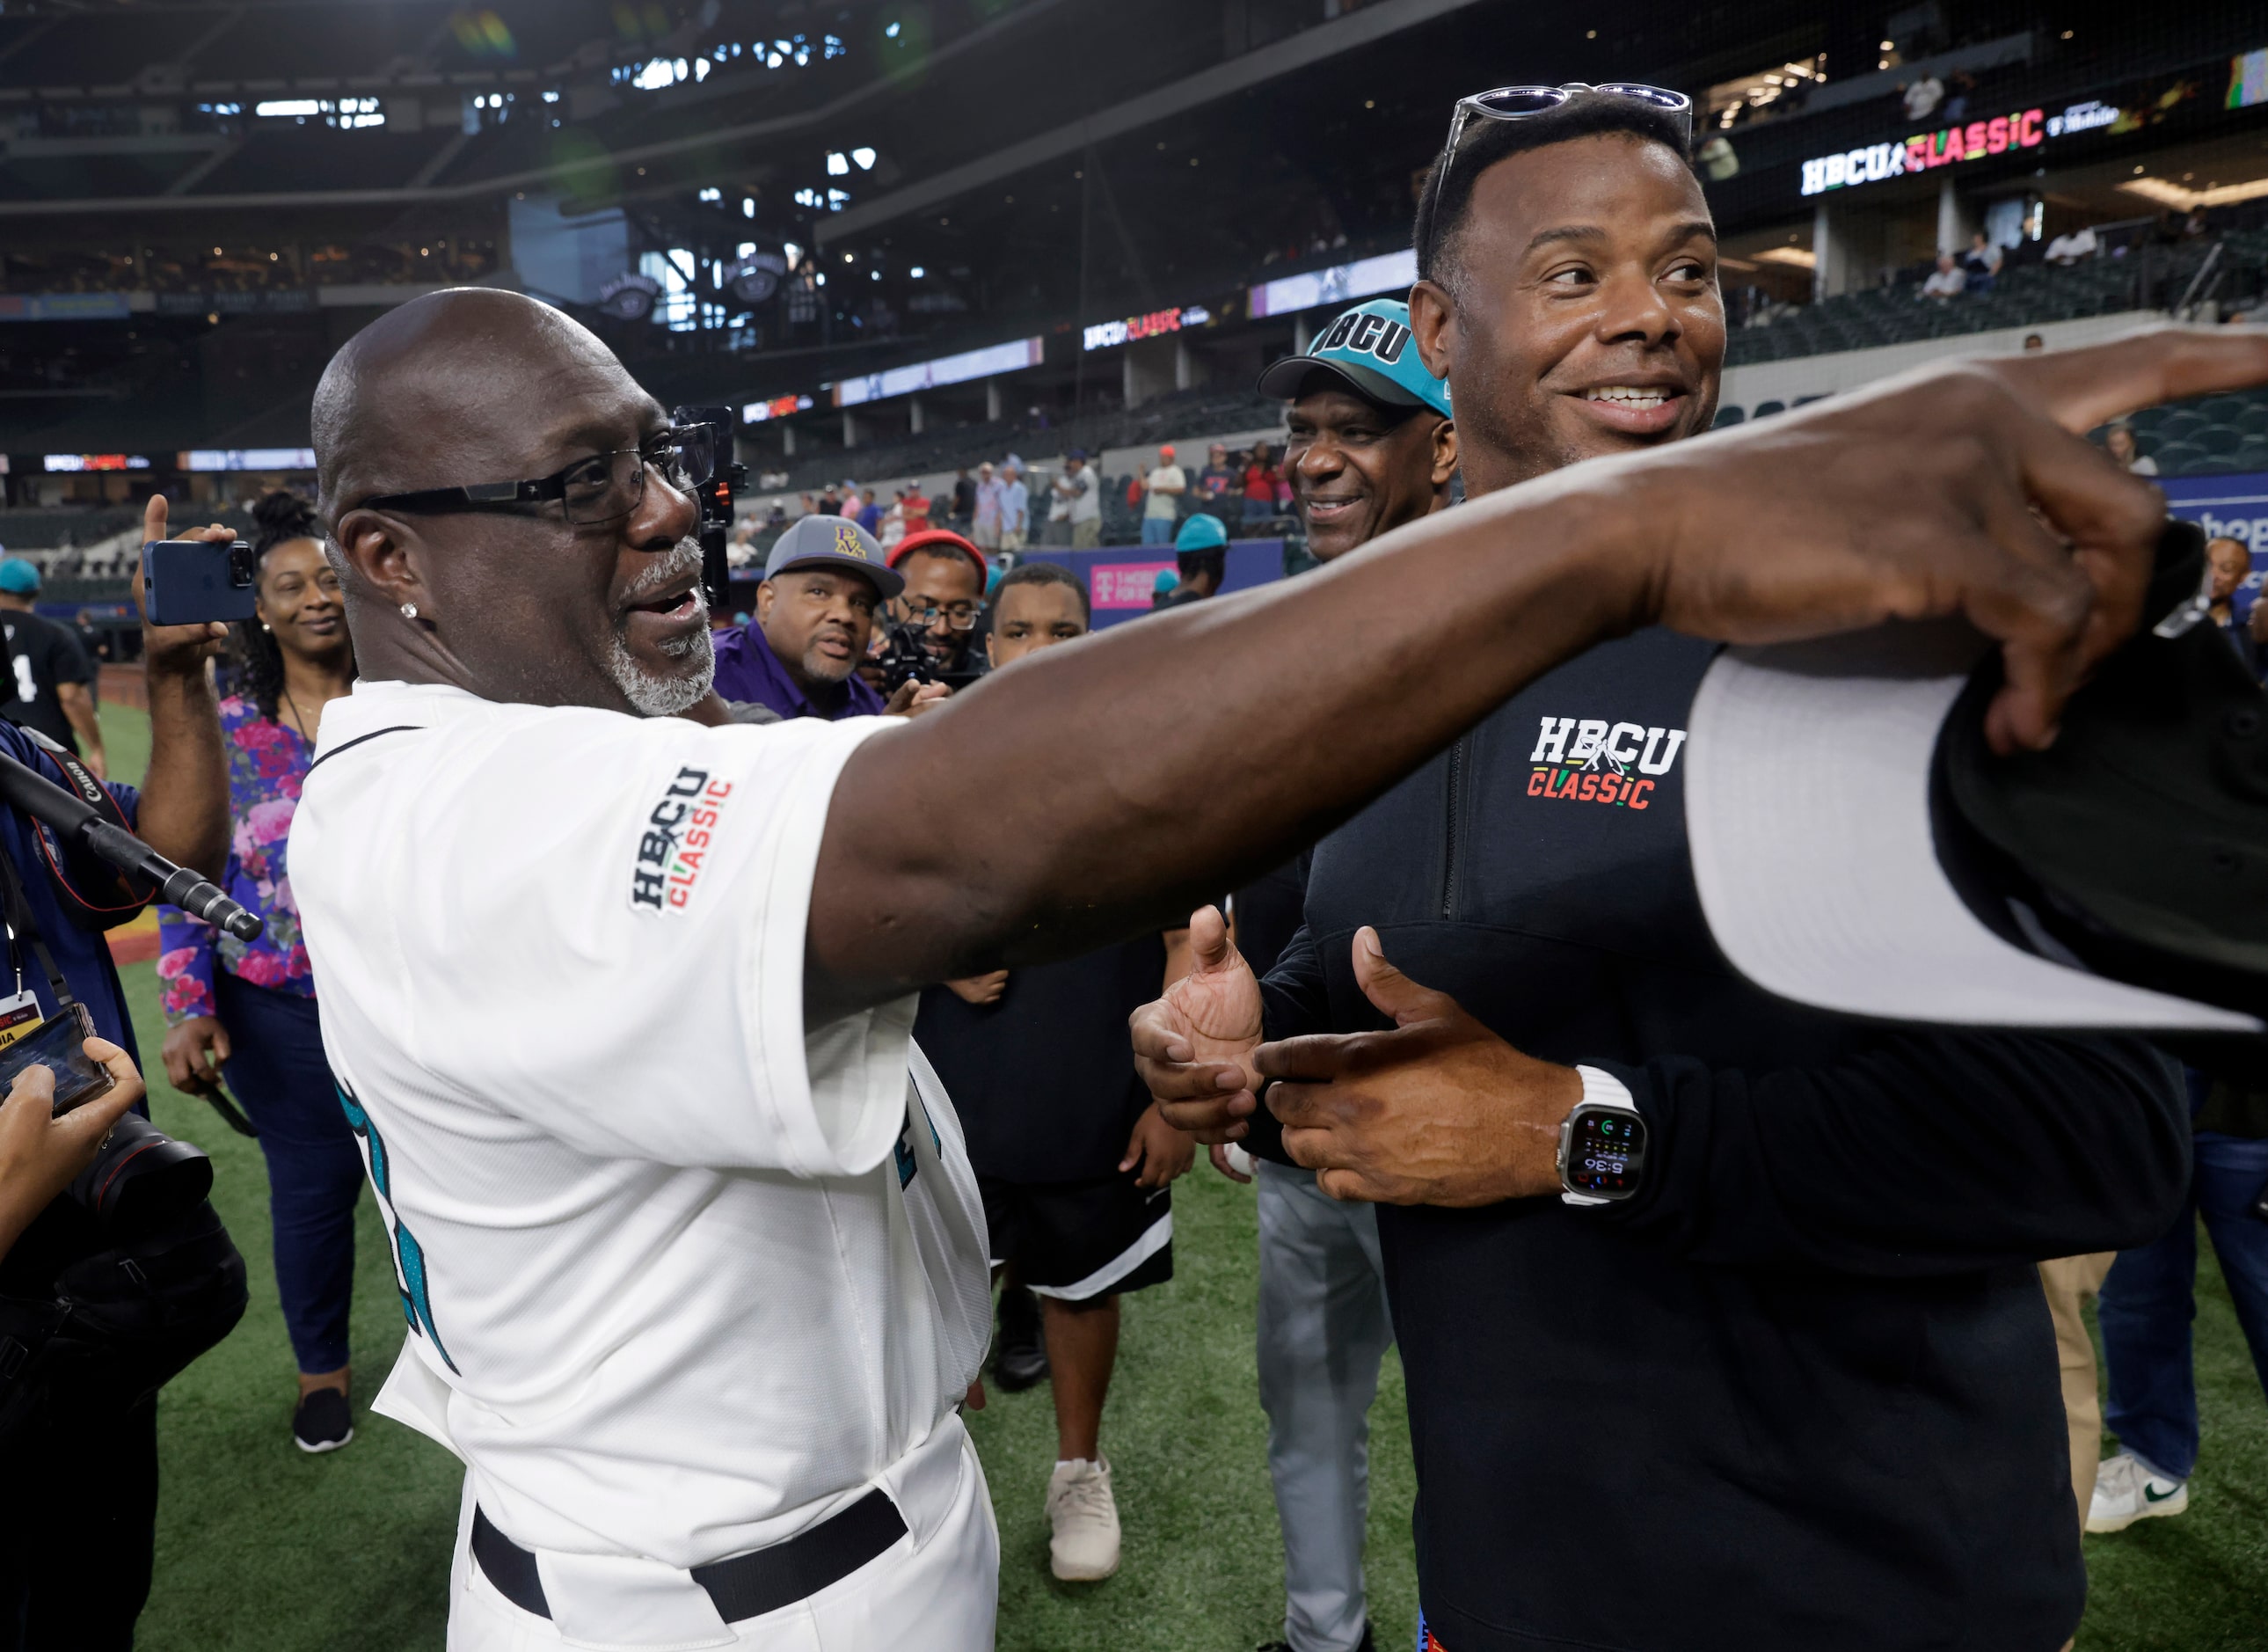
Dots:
pixel 1159 530
pixel 315 1172
pixel 2149 1300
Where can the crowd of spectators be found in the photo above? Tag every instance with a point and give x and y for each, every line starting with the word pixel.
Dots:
pixel 1011 505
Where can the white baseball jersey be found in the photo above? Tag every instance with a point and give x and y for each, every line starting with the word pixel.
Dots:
pixel 681 1279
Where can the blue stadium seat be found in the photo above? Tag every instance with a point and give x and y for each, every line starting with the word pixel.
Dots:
pixel 2219 439
pixel 1727 416
pixel 1765 408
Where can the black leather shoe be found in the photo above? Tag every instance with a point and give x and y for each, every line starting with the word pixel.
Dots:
pixel 1020 1357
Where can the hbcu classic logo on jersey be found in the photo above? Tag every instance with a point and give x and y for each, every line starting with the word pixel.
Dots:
pixel 1592 761
pixel 675 841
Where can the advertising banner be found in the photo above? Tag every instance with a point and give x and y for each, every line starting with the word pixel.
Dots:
pixel 1120 579
pixel 2228 507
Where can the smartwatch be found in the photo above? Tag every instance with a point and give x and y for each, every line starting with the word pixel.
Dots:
pixel 1601 1143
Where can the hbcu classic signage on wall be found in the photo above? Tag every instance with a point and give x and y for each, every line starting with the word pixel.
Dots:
pixel 2026 130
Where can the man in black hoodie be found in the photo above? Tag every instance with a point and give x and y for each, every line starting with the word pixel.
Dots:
pixel 1798 1388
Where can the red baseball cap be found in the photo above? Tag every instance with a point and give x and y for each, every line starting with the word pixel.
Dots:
pixel 946 537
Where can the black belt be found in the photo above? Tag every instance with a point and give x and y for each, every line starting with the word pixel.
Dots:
pixel 746 1586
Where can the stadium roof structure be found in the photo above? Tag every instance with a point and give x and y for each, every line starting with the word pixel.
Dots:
pixel 202 196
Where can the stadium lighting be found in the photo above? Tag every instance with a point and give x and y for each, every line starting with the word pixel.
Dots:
pixel 713 194
pixel 838 164
pixel 917 272
pixel 864 158
pixel 890 33
pixel 700 68
pixel 747 206
pixel 275 107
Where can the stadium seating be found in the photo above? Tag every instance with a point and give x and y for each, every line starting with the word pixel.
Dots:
pixel 2025 295
pixel 54 529
pixel 1199 412
pixel 2214 435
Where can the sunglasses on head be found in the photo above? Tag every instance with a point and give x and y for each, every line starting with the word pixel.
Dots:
pixel 1518 103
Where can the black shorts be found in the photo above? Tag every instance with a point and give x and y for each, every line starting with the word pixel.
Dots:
pixel 1077 1240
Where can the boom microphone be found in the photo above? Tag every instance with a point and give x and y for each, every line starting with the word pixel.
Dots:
pixel 73 817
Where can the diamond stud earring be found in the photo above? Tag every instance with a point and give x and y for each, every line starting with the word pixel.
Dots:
pixel 409 610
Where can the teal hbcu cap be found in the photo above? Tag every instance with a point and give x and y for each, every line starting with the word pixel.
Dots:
pixel 1371 349
pixel 1202 531
pixel 18 578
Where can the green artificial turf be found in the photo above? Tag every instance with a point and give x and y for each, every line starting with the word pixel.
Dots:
pixel 125 741
pixel 263 1549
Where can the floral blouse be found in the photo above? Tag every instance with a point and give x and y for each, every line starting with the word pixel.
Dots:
pixel 267 762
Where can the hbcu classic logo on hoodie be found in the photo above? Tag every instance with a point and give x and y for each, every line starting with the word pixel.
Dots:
pixel 1589 759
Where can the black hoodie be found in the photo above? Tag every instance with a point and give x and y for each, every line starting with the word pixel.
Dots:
pixel 1801 1391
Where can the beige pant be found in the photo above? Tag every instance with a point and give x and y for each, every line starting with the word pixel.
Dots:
pixel 1087 536
pixel 2068 1281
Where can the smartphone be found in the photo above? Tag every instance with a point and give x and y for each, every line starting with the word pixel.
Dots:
pixel 79 1077
pixel 188 582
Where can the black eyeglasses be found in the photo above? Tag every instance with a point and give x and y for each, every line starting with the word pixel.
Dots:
pixel 601 488
pixel 959 616
pixel 1518 103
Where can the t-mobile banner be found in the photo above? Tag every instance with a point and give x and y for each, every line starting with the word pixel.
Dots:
pixel 1121 578
pixel 2228 507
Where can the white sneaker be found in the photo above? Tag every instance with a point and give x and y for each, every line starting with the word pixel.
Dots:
pixel 1085 1519
pixel 2126 1492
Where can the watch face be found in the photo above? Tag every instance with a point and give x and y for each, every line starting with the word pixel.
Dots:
pixel 1606 1150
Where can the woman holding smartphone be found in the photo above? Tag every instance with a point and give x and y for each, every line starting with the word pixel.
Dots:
pixel 246 1011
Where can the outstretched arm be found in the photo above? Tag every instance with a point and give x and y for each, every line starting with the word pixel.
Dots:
pixel 1105 787
pixel 184 810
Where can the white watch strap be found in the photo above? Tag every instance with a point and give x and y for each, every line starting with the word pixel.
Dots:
pixel 1601 1089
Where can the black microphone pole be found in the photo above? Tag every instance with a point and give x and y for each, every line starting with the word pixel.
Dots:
pixel 75 819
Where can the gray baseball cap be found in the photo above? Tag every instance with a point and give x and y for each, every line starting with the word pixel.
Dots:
pixel 833 542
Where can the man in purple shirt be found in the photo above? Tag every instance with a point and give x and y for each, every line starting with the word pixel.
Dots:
pixel 815 613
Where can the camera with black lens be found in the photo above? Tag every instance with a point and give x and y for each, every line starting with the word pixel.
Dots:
pixel 143 1178
pixel 902 657
pixel 714 494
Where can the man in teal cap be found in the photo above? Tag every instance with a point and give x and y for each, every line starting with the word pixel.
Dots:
pixel 1372 446
pixel 1201 557
pixel 50 686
